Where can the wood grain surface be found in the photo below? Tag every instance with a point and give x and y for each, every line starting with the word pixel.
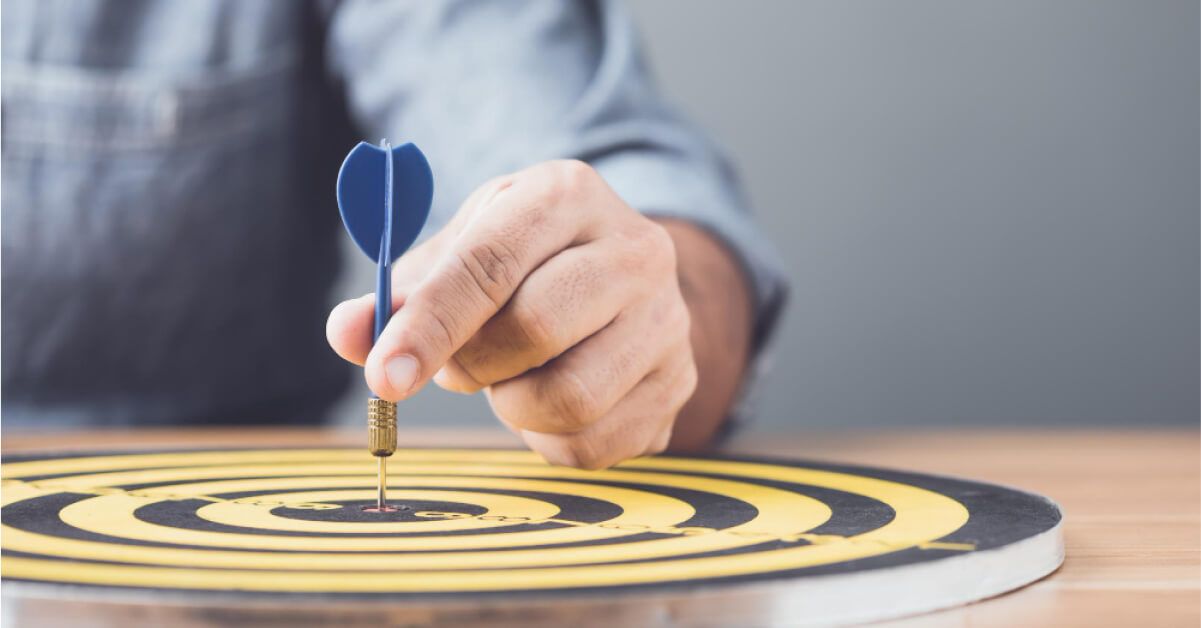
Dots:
pixel 1132 501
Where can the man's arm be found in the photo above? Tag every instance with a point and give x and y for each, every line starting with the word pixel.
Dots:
pixel 719 303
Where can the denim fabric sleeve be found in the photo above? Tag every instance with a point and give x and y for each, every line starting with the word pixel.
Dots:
pixel 486 88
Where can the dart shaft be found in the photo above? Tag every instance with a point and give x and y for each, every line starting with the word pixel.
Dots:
pixel 381 414
pixel 383 275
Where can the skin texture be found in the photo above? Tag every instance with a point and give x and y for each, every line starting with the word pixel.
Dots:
pixel 587 325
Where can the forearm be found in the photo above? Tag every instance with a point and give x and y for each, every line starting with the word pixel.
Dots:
pixel 719 301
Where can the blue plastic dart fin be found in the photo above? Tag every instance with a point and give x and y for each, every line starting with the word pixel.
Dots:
pixel 362 196
pixel 384 195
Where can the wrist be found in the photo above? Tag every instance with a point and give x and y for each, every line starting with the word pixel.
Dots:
pixel 718 297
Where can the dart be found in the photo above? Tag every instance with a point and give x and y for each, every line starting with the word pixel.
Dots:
pixel 384 196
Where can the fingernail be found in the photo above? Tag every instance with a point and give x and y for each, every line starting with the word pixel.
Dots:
pixel 401 372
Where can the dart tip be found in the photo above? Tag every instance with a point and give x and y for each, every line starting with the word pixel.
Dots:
pixel 382 492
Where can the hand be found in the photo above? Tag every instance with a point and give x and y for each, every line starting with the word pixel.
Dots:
pixel 556 299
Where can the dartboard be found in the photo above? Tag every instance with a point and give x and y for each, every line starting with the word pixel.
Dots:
pixel 475 522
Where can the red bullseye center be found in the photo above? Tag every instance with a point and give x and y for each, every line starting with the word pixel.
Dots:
pixel 384 508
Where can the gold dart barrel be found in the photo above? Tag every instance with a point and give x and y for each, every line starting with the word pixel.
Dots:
pixel 381 427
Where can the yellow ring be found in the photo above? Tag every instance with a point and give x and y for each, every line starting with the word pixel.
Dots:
pixel 248 514
pixel 921 516
pixel 113 515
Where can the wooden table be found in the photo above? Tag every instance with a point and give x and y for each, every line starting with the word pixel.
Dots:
pixel 1132 501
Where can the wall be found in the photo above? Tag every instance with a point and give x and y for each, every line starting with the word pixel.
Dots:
pixel 989 210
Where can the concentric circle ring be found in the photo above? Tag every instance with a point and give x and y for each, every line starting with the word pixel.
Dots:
pixel 286 521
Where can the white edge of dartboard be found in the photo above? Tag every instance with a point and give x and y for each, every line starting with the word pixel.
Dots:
pixel 913 589
pixel 835 599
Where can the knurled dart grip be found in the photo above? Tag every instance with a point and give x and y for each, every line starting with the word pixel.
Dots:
pixel 381 427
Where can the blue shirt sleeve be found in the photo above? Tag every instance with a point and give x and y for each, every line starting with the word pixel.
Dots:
pixel 486 88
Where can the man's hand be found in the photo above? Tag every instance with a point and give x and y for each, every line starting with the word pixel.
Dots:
pixel 558 300
pixel 572 312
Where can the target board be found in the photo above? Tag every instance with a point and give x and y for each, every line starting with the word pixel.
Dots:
pixel 804 541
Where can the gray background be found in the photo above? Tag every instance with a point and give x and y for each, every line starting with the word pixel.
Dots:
pixel 989 211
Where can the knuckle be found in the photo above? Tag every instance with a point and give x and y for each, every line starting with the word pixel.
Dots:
pixel 534 327
pixel 495 186
pixel 627 361
pixel 648 250
pixel 671 316
pixel 462 373
pixel 570 404
pixel 479 201
pixel 583 453
pixel 662 441
pixel 658 446
pixel 439 319
pixel 564 177
pixel 498 400
pixel 441 332
pixel 493 268
pixel 573 450
pixel 551 189
pixel 682 319
pixel 679 390
pixel 662 249
pixel 691 378
pixel 633 260
pixel 574 173
pixel 510 404
pixel 655 234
